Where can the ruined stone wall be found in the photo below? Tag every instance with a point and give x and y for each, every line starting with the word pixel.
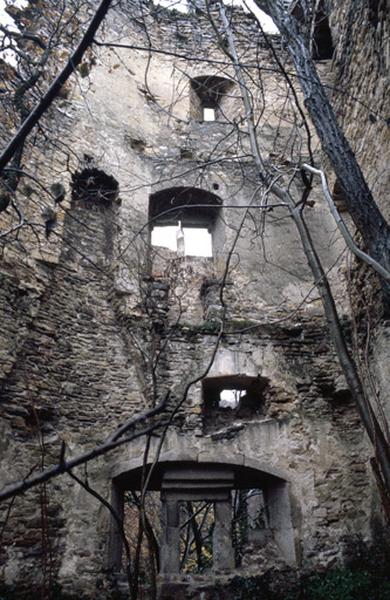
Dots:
pixel 100 325
pixel 362 86
pixel 361 70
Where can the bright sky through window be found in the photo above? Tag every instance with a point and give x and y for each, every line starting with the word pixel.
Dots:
pixel 197 240
pixel 230 398
pixel 209 114
pixel 9 23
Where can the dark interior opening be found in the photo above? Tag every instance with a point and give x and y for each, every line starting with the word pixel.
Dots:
pixel 239 396
pixel 374 7
pixel 339 197
pixel 92 187
pixel 194 207
pixel 210 90
pixel 322 44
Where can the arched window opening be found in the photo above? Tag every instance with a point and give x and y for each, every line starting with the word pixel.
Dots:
pixel 184 220
pixel 94 188
pixel 210 98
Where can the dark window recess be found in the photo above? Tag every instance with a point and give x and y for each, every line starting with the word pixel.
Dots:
pixel 374 7
pixel 209 97
pixel 321 36
pixel 94 188
pixel 238 396
pixel 322 44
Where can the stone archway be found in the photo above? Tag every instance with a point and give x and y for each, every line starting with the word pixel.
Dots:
pixel 180 481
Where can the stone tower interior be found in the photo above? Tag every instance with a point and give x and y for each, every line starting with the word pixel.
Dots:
pixel 161 326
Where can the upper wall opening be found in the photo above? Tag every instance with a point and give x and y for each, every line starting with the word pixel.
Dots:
pixel 240 394
pixel 322 44
pixel 321 37
pixel 94 188
pixel 210 98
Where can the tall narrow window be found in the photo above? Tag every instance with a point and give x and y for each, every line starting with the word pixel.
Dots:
pixel 319 33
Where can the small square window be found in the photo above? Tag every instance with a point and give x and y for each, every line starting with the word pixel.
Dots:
pixel 232 397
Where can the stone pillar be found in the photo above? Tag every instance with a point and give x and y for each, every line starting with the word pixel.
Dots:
pixel 170 536
pixel 280 522
pixel 223 552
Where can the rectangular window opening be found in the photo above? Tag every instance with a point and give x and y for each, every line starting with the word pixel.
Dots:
pixel 230 398
pixel 197 241
pixel 209 113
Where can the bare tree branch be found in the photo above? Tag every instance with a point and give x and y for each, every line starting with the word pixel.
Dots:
pixel 343 228
pixel 359 199
pixel 367 415
pixel 47 99
pixel 64 466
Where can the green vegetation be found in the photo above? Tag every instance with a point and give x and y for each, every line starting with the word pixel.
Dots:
pixel 345 584
pixel 338 584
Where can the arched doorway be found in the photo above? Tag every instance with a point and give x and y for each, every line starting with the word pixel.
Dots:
pixel 206 513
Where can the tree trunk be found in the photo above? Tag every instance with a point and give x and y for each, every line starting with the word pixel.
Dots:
pixel 346 361
pixel 364 211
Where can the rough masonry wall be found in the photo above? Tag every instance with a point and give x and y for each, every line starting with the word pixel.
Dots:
pixel 362 86
pixel 361 67
pixel 86 318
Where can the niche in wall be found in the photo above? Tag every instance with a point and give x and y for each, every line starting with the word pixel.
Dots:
pixel 94 188
pixel 232 397
pixel 91 226
pixel 211 98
